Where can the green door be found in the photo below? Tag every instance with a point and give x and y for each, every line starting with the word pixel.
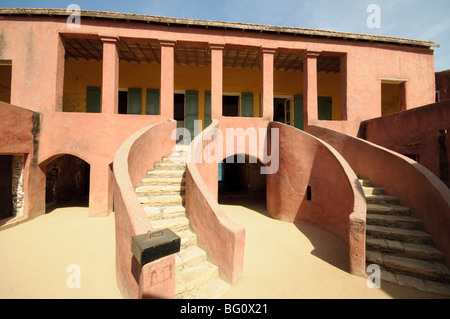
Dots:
pixel 191 113
pixel 298 111
pixel 325 108
pixel 134 101
pixel 152 102
pixel 207 108
pixel 247 105
pixel 93 99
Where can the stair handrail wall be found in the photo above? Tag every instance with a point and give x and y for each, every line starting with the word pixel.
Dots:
pixel 414 185
pixel 337 202
pixel 223 240
pixel 134 157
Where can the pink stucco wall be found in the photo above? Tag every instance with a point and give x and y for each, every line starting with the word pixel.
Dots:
pixel 414 185
pixel 20 134
pixel 38 61
pixel 135 156
pixel 223 239
pixel 337 201
pixel 414 132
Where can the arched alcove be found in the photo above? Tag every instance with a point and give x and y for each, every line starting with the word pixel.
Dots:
pixel 67 181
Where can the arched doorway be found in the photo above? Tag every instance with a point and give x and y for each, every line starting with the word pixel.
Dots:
pixel 67 182
pixel 239 178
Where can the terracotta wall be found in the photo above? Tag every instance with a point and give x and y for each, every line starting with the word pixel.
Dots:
pixel 416 132
pixel 414 185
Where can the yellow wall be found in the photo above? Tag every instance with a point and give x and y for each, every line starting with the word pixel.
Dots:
pixel 80 74
pixel 5 83
pixel 390 98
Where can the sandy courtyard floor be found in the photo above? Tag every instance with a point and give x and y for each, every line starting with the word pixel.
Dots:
pixel 282 260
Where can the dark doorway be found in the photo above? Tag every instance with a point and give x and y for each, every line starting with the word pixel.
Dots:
pixel 178 112
pixel 240 176
pixel 6 196
pixel 123 102
pixel 68 180
pixel 230 105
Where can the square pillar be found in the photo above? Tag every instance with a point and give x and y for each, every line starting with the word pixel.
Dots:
pixel 216 79
pixel 310 100
pixel 110 76
pixel 167 78
pixel 267 56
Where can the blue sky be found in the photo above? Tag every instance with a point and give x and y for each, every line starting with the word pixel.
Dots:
pixel 414 19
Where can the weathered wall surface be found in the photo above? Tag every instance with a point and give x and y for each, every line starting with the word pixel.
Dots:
pixel 423 132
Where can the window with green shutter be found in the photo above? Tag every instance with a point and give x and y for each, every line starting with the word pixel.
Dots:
pixel 325 111
pixel 134 101
pixel 247 105
pixel 93 99
pixel 191 113
pixel 152 102
pixel 207 108
pixel 298 111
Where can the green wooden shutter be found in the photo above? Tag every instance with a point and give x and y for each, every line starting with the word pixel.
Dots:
pixel 93 99
pixel 207 108
pixel 134 101
pixel 247 105
pixel 152 102
pixel 298 111
pixel 191 113
pixel 325 108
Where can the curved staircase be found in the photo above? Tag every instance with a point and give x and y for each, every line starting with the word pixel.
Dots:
pixel 398 243
pixel 162 195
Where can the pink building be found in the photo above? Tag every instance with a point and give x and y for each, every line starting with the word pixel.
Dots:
pixel 90 103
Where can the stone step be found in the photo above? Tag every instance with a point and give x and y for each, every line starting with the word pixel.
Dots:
pixel 398 221
pixel 365 182
pixel 155 181
pixel 370 190
pixel 214 289
pixel 160 190
pixel 188 238
pixel 166 174
pixel 423 269
pixel 417 283
pixel 175 224
pixel 178 154
pixel 381 199
pixel 162 201
pixel 181 147
pixel 404 235
pixel 191 278
pixel 403 249
pixel 165 212
pixel 387 209
pixel 189 257
pixel 174 160
pixel 169 167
